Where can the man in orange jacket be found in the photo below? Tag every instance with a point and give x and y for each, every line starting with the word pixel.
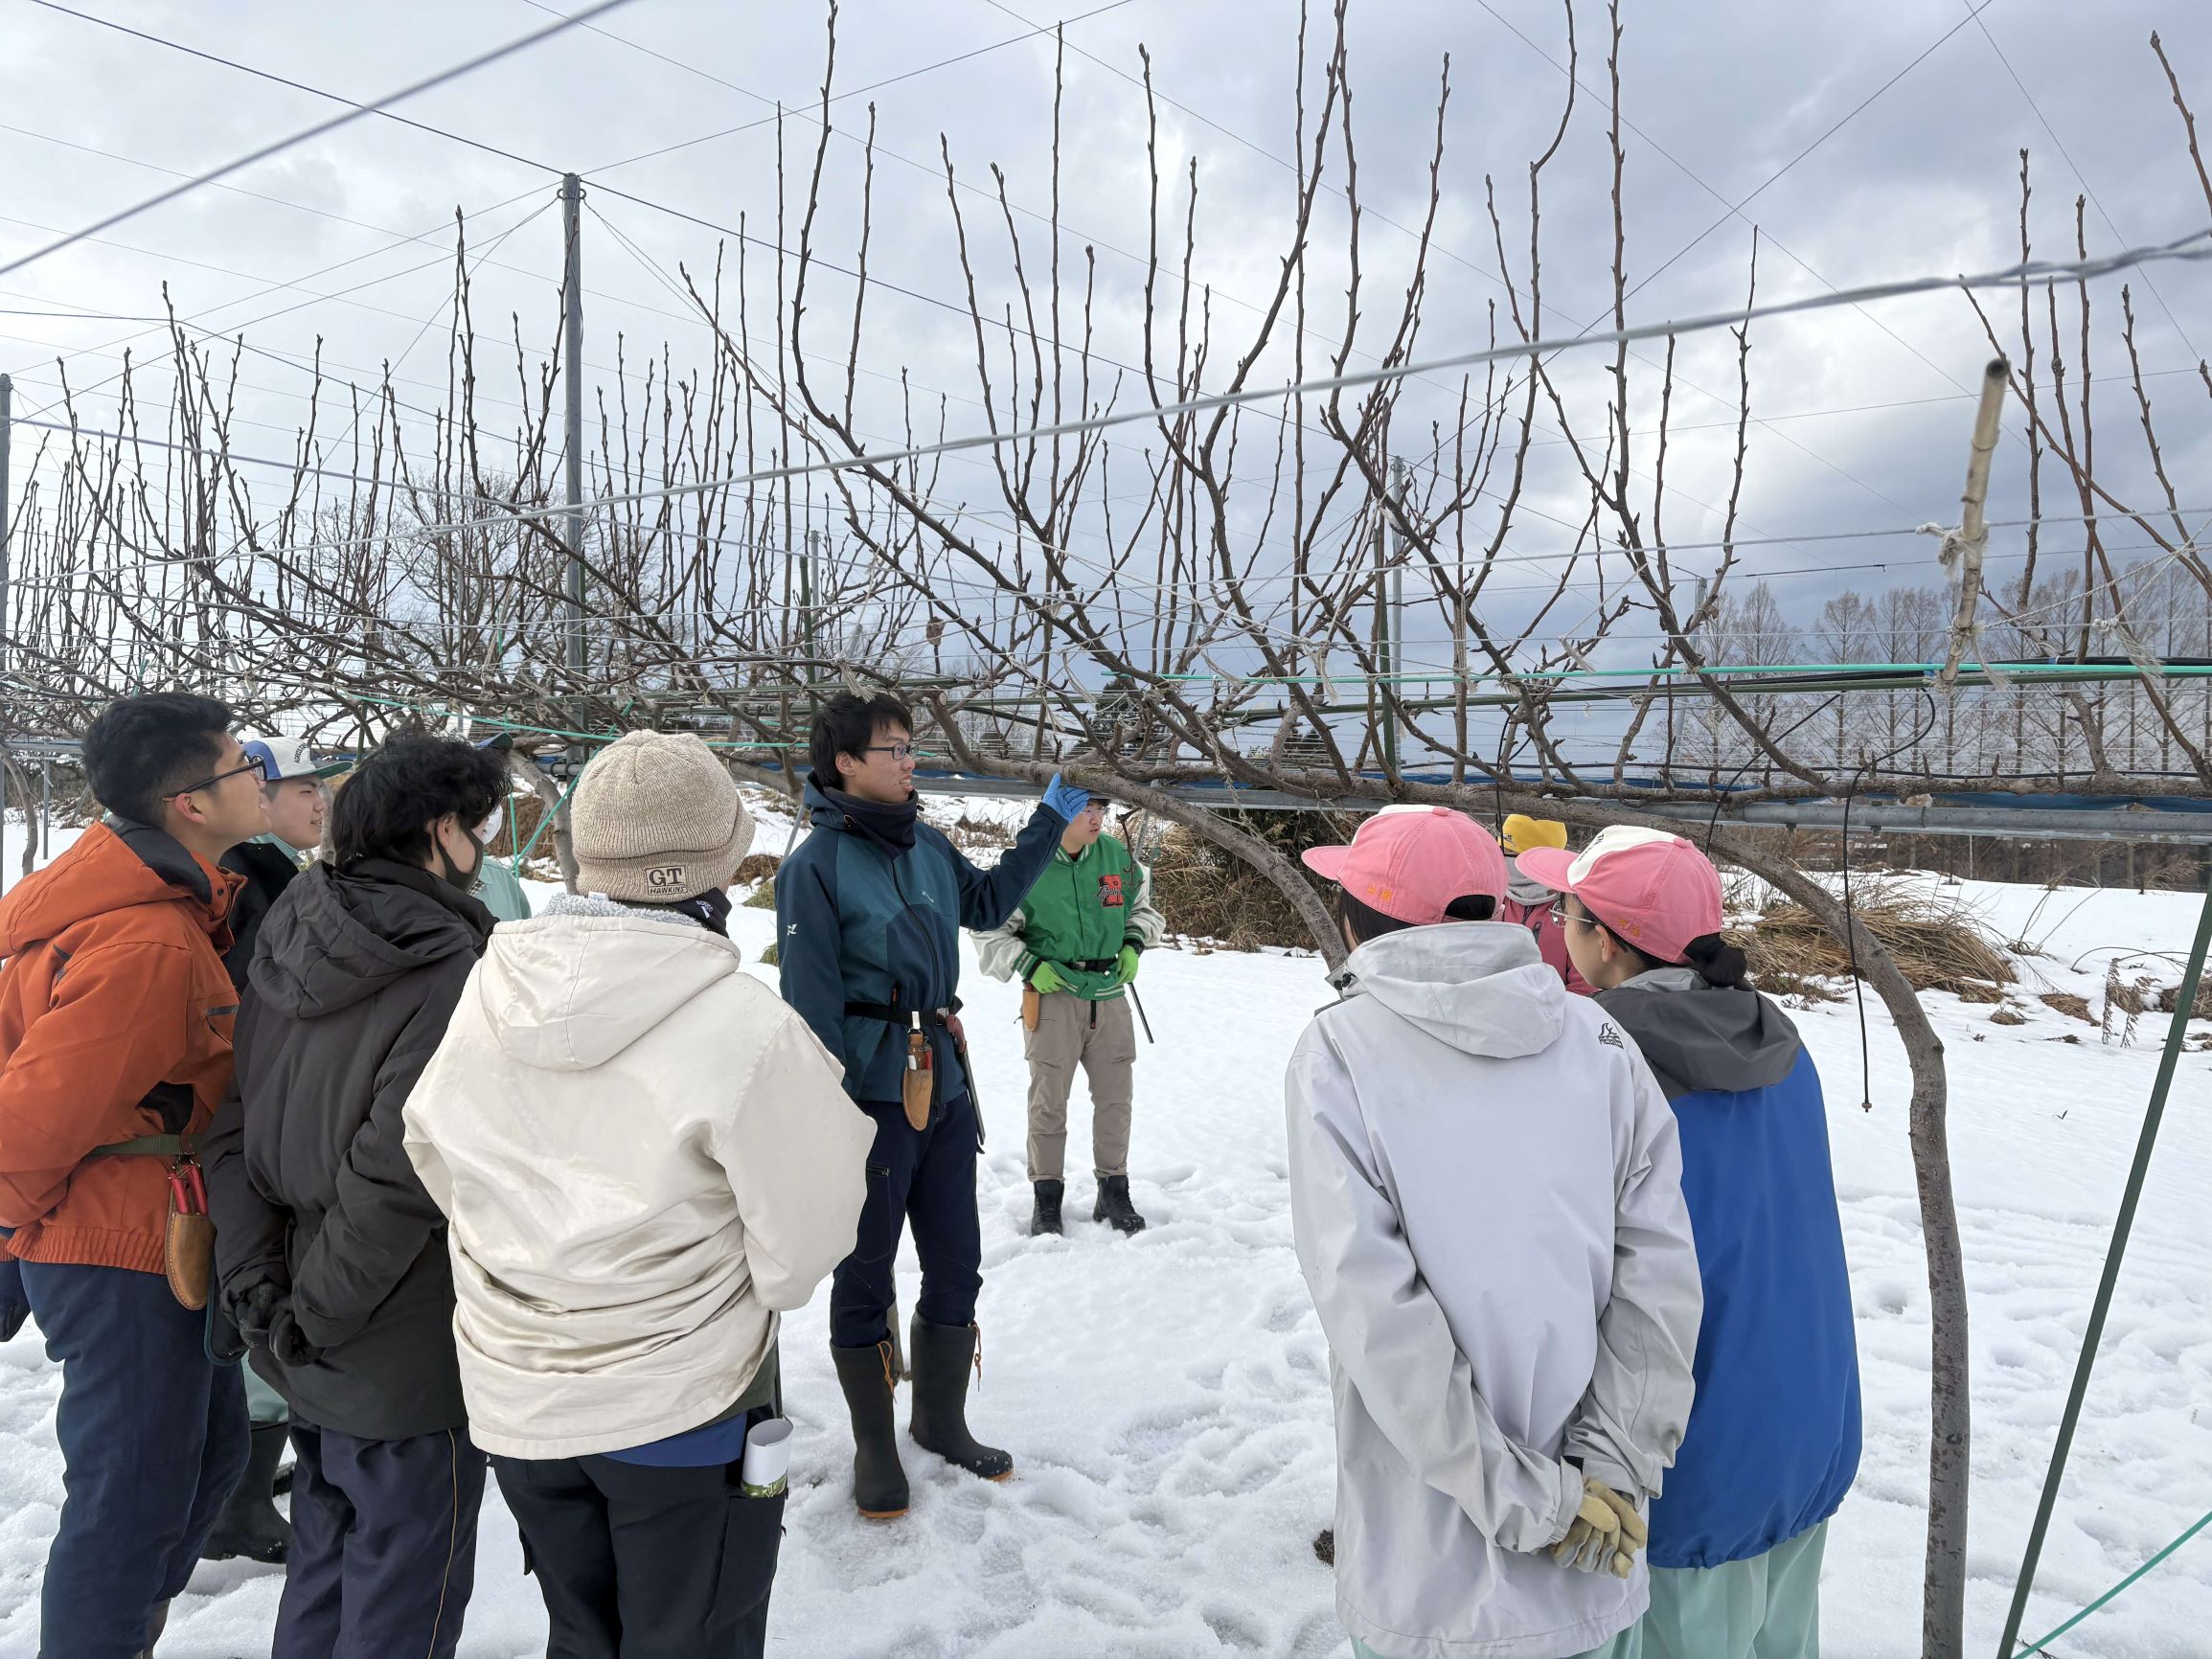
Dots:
pixel 115 1049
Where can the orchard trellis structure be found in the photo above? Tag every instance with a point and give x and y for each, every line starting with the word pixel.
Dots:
pixel 1184 587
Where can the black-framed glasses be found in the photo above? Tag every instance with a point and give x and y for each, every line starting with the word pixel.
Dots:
pixel 897 751
pixel 254 764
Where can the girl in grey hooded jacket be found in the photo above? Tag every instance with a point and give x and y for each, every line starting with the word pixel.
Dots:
pixel 1486 1199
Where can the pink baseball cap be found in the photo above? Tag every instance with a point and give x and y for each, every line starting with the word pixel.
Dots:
pixel 1654 890
pixel 1410 862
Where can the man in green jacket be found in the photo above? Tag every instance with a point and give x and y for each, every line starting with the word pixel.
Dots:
pixel 1075 944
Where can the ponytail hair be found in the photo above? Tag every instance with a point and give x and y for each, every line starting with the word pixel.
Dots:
pixel 1718 963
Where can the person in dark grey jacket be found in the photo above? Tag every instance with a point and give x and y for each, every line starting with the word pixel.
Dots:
pixel 332 1258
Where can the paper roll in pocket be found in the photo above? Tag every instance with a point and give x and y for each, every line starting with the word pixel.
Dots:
pixel 767 1464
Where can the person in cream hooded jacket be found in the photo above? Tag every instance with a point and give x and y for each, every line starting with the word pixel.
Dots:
pixel 646 1157
pixel 1486 1200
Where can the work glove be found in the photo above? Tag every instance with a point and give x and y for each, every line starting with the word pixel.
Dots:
pixel 1045 978
pixel 1125 965
pixel 1067 799
pixel 14 1304
pixel 1605 1532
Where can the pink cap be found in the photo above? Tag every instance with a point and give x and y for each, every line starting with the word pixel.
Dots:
pixel 1410 862
pixel 1654 890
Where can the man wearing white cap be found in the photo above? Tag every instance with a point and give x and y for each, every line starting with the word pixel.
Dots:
pixel 297 799
pixel 645 1157
pixel 1486 1200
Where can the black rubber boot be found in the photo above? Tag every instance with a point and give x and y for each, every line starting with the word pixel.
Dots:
pixel 1114 1206
pixel 879 1481
pixel 250 1525
pixel 940 1355
pixel 1045 1217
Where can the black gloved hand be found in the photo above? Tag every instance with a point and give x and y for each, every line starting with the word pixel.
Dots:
pixel 253 1307
pixel 286 1340
pixel 15 1306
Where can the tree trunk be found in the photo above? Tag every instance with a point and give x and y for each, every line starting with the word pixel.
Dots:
pixel 534 777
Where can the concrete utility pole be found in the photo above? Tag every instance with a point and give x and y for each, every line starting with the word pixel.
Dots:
pixel 7 420
pixel 1390 616
pixel 571 317
pixel 806 601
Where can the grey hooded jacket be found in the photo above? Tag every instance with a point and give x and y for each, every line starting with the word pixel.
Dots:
pixel 1487 1205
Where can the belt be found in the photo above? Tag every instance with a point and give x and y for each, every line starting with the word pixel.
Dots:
pixel 937 1017
pixel 1098 965
pixel 149 1146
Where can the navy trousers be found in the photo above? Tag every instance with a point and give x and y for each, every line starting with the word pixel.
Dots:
pixel 927 1177
pixel 636 1562
pixel 153 1437
pixel 383 1545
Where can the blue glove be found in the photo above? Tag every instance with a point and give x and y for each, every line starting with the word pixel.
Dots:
pixel 1067 799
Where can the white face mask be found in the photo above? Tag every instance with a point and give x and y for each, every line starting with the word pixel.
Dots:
pixel 489 830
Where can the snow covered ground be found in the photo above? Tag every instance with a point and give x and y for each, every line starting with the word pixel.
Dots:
pixel 1165 1397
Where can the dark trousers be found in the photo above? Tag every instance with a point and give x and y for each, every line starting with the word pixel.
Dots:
pixel 153 1437
pixel 927 1177
pixel 645 1563
pixel 383 1546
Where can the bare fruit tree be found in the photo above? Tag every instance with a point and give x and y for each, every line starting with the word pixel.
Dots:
pixel 1325 597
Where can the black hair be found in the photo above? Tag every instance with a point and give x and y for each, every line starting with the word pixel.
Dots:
pixel 141 749
pixel 409 782
pixel 846 725
pixel 1366 922
pixel 1718 963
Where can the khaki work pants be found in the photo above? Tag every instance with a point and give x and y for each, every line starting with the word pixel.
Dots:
pixel 1103 1037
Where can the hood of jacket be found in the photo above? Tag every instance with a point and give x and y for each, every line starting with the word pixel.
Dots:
pixel 339 937
pixel 114 865
pixel 1527 890
pixel 1479 986
pixel 569 991
pixel 1699 1037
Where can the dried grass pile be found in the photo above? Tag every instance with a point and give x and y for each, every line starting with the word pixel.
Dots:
pixel 2170 998
pixel 1938 945
pixel 1204 893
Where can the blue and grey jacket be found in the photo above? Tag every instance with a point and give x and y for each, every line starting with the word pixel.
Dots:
pixel 1773 1440
pixel 859 921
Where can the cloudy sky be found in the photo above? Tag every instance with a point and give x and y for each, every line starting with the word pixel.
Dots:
pixel 1867 140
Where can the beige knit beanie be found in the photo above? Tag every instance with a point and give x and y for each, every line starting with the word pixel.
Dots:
pixel 656 818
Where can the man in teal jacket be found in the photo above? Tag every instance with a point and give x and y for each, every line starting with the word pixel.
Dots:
pixel 1074 944
pixel 867 916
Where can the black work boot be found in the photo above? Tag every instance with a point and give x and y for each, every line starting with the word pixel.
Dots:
pixel 940 1355
pixel 1114 1206
pixel 878 1481
pixel 157 1621
pixel 1045 1217
pixel 249 1525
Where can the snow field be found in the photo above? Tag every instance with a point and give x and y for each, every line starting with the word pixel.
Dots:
pixel 1166 1395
